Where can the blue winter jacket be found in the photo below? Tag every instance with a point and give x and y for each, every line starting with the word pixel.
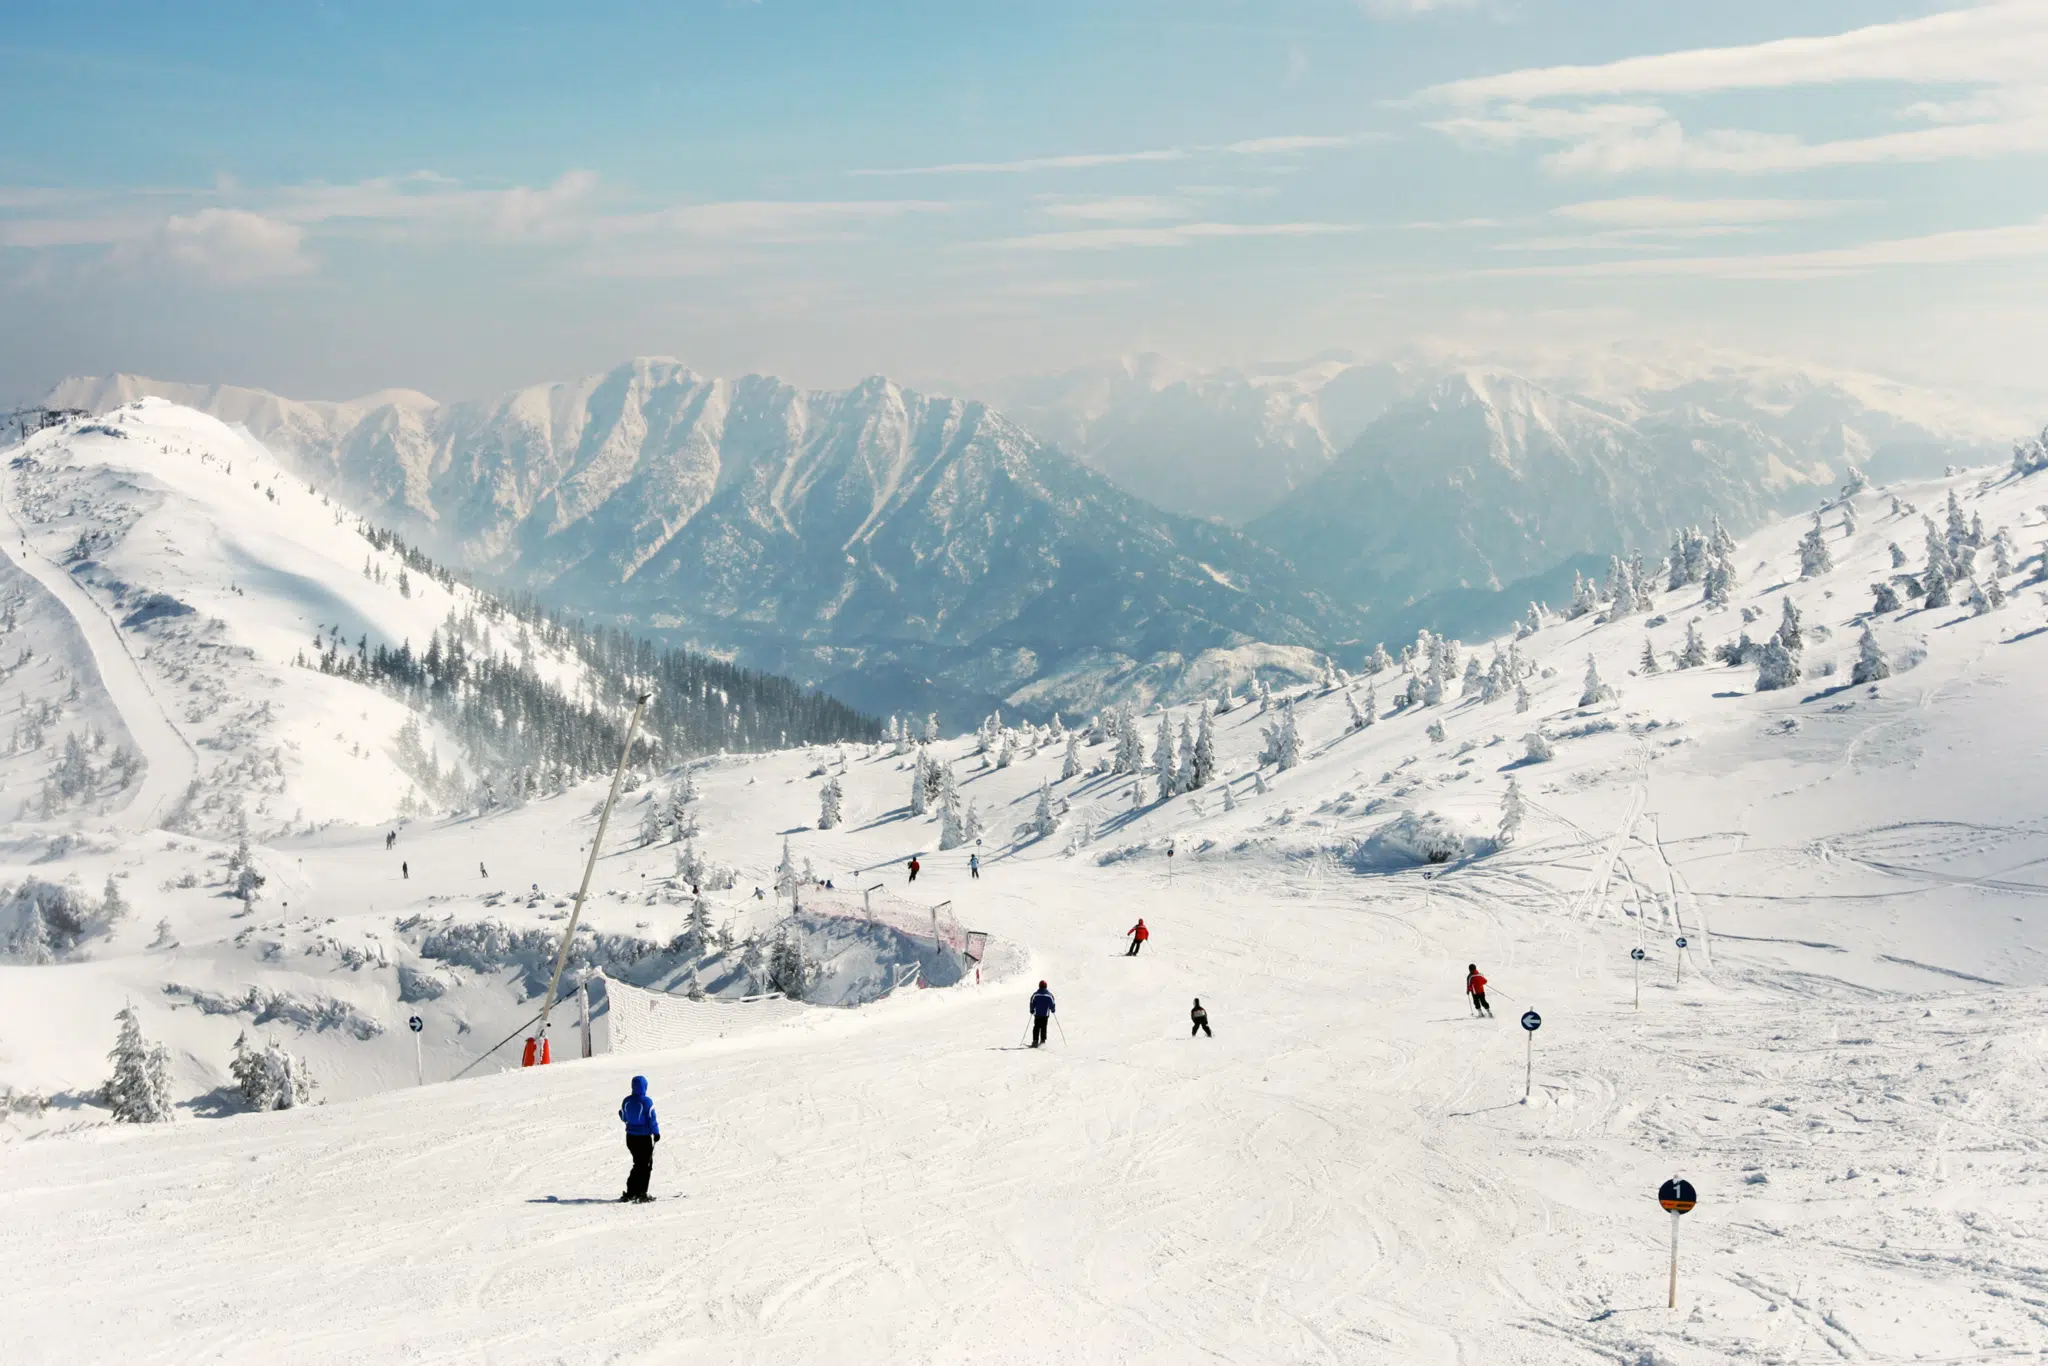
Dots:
pixel 638 1112
pixel 1041 1002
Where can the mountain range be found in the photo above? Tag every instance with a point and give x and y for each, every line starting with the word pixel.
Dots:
pixel 1070 545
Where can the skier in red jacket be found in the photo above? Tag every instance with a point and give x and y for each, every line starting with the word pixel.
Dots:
pixel 1475 987
pixel 1139 934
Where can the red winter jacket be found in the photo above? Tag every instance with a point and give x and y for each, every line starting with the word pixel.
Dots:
pixel 1475 985
pixel 1140 931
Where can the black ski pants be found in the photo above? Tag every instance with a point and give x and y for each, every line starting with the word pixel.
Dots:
pixel 1479 1005
pixel 1039 1024
pixel 1136 944
pixel 1201 1027
pixel 642 1148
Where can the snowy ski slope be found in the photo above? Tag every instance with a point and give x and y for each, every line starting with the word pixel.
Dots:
pixel 1852 1068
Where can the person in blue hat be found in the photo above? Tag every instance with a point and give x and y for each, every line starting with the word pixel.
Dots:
pixel 643 1131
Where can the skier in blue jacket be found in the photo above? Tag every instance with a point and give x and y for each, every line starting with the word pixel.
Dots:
pixel 1042 1008
pixel 643 1131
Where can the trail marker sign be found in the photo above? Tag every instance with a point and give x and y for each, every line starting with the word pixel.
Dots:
pixel 1637 954
pixel 415 1024
pixel 1677 1196
pixel 1636 957
pixel 1680 957
pixel 1531 1022
pixel 419 1061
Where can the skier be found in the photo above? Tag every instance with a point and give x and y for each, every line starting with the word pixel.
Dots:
pixel 481 872
pixel 1042 1008
pixel 527 1054
pixel 1139 934
pixel 1201 1019
pixel 914 866
pixel 643 1131
pixel 1475 987
pixel 405 871
pixel 974 866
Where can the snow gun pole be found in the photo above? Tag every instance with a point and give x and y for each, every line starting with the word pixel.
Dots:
pixel 604 818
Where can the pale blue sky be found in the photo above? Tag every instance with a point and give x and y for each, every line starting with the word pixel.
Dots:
pixel 460 198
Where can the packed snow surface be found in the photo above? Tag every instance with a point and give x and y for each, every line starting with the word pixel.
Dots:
pixel 1847 1058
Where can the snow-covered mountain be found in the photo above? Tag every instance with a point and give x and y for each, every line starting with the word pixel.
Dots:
pixel 1221 444
pixel 897 548
pixel 1833 1031
pixel 1486 479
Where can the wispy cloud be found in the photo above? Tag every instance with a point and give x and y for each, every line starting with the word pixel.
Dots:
pixel 1176 235
pixel 1964 246
pixel 1255 148
pixel 1131 208
pixel 219 246
pixel 1661 211
pixel 1610 119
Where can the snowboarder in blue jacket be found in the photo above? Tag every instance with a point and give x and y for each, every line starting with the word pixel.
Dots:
pixel 1042 1008
pixel 643 1131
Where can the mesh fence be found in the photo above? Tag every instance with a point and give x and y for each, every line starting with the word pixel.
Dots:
pixel 642 1021
pixel 933 924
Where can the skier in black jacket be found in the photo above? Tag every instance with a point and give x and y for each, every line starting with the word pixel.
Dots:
pixel 1201 1019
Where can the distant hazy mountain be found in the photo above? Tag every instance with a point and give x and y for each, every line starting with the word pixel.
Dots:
pixel 1225 444
pixel 1485 478
pixel 905 549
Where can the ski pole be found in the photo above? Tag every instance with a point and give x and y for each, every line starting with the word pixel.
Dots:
pixel 1062 1029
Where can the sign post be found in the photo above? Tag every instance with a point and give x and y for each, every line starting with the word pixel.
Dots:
pixel 419 1065
pixel 1169 861
pixel 1677 1196
pixel 1531 1022
pixel 867 900
pixel 1681 958
pixel 1636 956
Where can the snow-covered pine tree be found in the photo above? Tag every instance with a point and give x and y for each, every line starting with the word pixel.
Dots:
pixel 1357 717
pixel 1935 585
pixel 1595 692
pixel 1791 633
pixel 1204 770
pixel 1585 596
pixel 1045 820
pixel 1814 556
pixel 1695 652
pixel 1521 697
pixel 1530 624
pixel 1283 741
pixel 1994 594
pixel 1511 813
pixel 2001 555
pixel 1070 766
pixel 1898 555
pixel 1229 798
pixel 270 1078
pixel 1718 583
pixel 1372 702
pixel 1977 530
pixel 1855 483
pixel 952 817
pixel 139 1092
pixel 1537 749
pixel 1435 731
pixel 113 906
pixel 1380 662
pixel 1776 666
pixel 1977 600
pixel 1130 749
pixel 650 821
pixel 1006 750
pixel 1886 595
pixel 1474 678
pixel 829 799
pixel 785 873
pixel 1871 663
pixel 931 728
pixel 1163 757
pixel 1184 770
pixel 1649 664
pixel 1848 520
pixel 920 786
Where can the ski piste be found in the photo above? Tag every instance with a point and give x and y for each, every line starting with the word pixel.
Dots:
pixel 1849 1069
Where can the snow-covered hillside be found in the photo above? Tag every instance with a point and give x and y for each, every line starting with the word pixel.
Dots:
pixel 1845 1057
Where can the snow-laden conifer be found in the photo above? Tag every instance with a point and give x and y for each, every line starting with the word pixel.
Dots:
pixel 1776 666
pixel 1130 749
pixel 1594 692
pixel 829 798
pixel 1814 557
pixel 1164 759
pixel 1887 597
pixel 1695 652
pixel 139 1092
pixel 1871 663
pixel 1283 741
pixel 1204 770
pixel 1070 766
pixel 1511 813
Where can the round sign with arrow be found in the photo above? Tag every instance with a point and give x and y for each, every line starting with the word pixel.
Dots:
pixel 1677 1195
pixel 1637 954
pixel 1531 1021
pixel 1680 941
pixel 415 1024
